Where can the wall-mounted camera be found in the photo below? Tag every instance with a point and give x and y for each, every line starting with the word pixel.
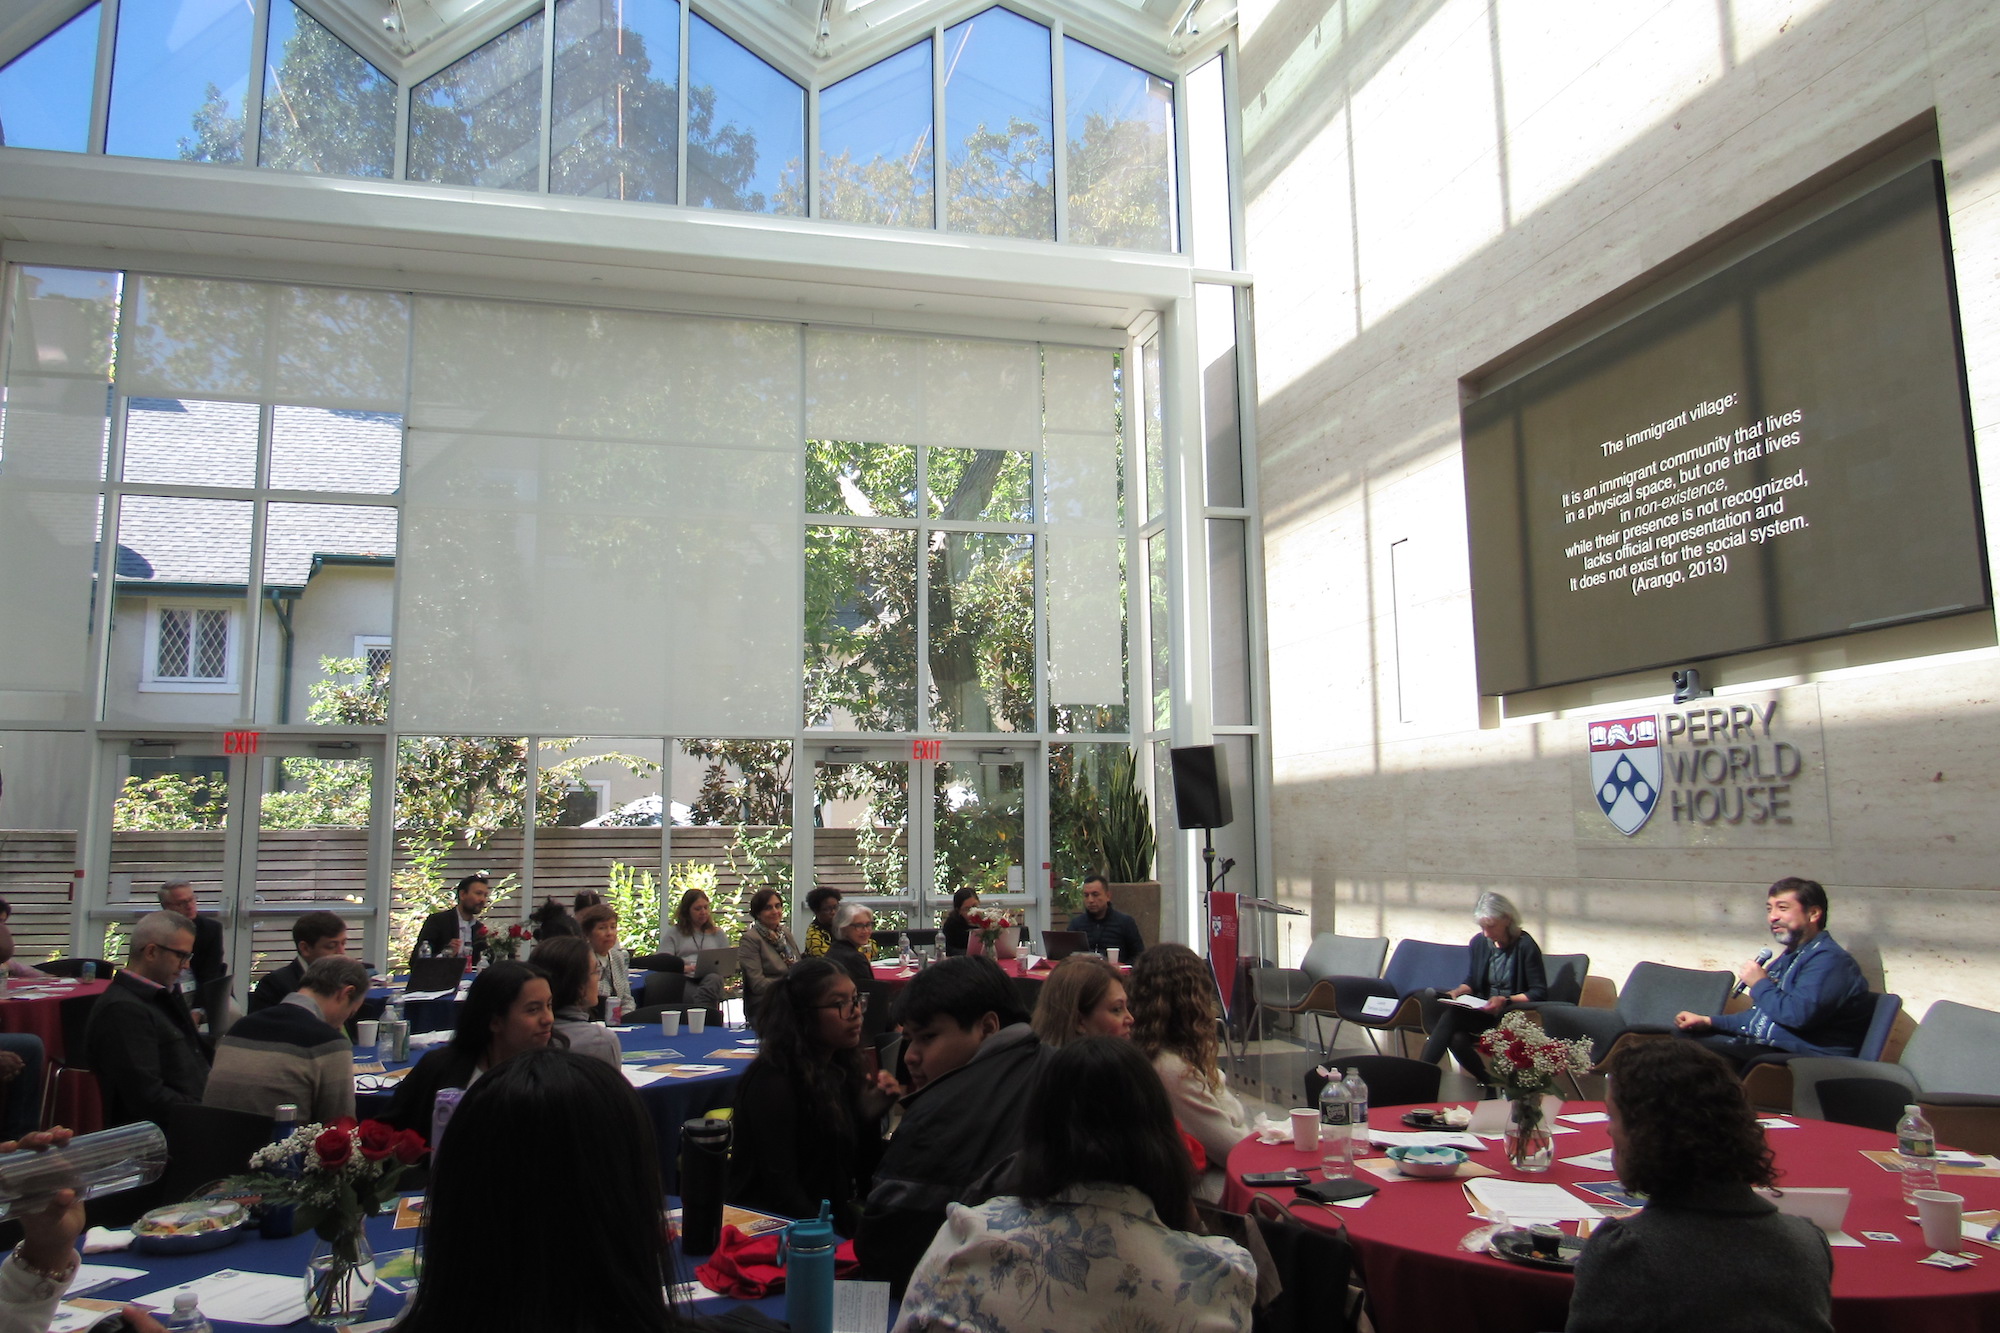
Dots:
pixel 1688 686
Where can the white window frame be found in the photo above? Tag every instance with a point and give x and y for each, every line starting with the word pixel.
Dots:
pixel 363 642
pixel 151 682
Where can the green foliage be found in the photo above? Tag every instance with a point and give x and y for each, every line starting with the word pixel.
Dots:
pixel 635 896
pixel 218 136
pixel 1127 830
pixel 1119 173
pixel 326 109
pixel 1004 185
pixel 170 801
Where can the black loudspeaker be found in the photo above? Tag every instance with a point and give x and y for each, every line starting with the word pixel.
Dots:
pixel 1201 786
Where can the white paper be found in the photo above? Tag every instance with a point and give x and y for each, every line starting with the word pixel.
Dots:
pixel 409 996
pixel 1773 1122
pixel 1425 1139
pixel 640 1078
pixel 1379 1006
pixel 1466 1001
pixel 240 1298
pixel 1841 1240
pixel 1977 1231
pixel 89 1277
pixel 1490 1117
pixel 1526 1203
pixel 1592 1161
pixel 860 1307
pixel 1953 1157
pixel 1825 1208
pixel 1587 1117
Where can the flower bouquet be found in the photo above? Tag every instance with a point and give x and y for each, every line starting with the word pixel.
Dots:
pixel 336 1177
pixel 1524 1063
pixel 989 922
pixel 510 943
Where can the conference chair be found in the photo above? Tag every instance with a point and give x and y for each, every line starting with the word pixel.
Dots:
pixel 1767 1079
pixel 1947 1068
pixel 1652 994
pixel 881 1002
pixel 662 989
pixel 1389 1002
pixel 1308 988
pixel 206 1144
pixel 73 967
pixel 1392 1080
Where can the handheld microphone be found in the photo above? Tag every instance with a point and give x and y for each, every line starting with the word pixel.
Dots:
pixel 1763 957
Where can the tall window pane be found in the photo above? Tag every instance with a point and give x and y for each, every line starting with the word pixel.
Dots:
pixel 1120 125
pixel 861 629
pixel 1215 345
pixel 982 631
pixel 1161 627
pixel 616 122
pixel 45 92
pixel 746 128
pixel 875 143
pixel 325 108
pixel 178 77
pixel 1208 162
pixel 479 122
pixel 999 106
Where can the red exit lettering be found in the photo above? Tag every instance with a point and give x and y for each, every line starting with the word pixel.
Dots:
pixel 926 749
pixel 240 742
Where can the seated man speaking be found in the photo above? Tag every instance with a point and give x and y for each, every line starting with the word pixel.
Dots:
pixel 1811 1001
pixel 971 1057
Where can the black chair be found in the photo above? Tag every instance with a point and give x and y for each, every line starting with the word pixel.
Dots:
pixel 875 1018
pixel 659 962
pixel 1028 990
pixel 651 1014
pixel 73 967
pixel 663 989
pixel 74 1015
pixel 207 1143
pixel 1871 1103
pixel 923 937
pixel 1391 1080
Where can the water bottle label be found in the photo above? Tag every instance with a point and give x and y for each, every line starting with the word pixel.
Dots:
pixel 1916 1147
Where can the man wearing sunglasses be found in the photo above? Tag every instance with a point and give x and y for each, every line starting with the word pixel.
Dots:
pixel 142 1041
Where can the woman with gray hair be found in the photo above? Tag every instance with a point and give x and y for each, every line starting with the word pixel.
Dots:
pixel 1503 967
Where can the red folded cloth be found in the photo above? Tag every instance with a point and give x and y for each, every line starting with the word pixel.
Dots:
pixel 746 1268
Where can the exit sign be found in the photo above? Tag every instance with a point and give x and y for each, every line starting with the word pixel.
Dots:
pixel 240 742
pixel 926 749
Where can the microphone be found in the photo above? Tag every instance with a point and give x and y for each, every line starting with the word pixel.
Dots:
pixel 1763 957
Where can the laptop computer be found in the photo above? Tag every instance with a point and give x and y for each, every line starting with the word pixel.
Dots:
pixel 441 973
pixel 714 960
pixel 1060 944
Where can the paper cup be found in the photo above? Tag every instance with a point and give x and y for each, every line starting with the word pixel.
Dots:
pixel 1305 1129
pixel 670 1023
pixel 1940 1213
pixel 697 1020
pixel 1111 957
pixel 364 1032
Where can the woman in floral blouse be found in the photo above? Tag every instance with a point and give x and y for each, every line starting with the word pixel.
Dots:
pixel 1095 1237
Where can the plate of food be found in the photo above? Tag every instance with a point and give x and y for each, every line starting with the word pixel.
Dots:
pixel 1537 1247
pixel 188 1228
pixel 1443 1117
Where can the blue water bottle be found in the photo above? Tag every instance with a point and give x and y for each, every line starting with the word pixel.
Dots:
pixel 807 1253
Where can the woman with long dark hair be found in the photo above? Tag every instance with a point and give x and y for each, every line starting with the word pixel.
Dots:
pixel 692 933
pixel 508 1010
pixel 957 930
pixel 1174 1010
pixel 1083 997
pixel 572 967
pixel 1684 1135
pixel 805 1114
pixel 1100 1159
pixel 614 1262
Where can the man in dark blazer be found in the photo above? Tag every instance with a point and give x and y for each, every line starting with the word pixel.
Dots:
pixel 458 929
pixel 142 1041
pixel 315 935
pixel 1104 926
pixel 208 964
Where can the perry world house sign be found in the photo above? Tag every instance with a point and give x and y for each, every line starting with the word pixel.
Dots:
pixel 1625 769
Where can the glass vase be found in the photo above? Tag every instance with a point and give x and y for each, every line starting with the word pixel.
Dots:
pixel 1530 1141
pixel 340 1277
pixel 975 945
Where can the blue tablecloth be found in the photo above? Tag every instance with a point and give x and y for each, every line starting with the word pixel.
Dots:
pixel 442 1015
pixel 670 1100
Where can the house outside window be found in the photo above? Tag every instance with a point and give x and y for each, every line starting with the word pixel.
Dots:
pixel 374 650
pixel 191 648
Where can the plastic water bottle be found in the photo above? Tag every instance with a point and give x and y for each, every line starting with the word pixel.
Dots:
pixel 187 1316
pixel 423 950
pixel 277 1220
pixel 903 947
pixel 1336 1129
pixel 89 972
pixel 1916 1145
pixel 1357 1098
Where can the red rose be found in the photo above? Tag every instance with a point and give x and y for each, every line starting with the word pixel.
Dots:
pixel 333 1147
pixel 378 1141
pixel 409 1147
pixel 345 1124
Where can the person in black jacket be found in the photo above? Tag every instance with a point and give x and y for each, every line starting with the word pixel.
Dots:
pixel 142 1041
pixel 853 925
pixel 508 1010
pixel 1104 926
pixel 207 962
pixel 1503 967
pixel 315 935
pixel 972 1059
pixel 458 929
pixel 957 930
pixel 805 1115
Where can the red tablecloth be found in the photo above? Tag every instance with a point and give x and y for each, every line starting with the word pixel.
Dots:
pixel 894 976
pixel 42 1015
pixel 1406 1241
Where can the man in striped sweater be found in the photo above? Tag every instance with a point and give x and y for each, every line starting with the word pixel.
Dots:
pixel 294 1051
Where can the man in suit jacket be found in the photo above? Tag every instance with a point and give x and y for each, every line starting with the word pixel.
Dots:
pixel 458 929
pixel 315 935
pixel 142 1041
pixel 208 963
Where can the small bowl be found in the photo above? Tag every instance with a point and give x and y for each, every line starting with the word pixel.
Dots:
pixel 168 1230
pixel 1427 1163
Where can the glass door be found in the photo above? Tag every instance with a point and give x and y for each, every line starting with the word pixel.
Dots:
pixel 905 825
pixel 265 827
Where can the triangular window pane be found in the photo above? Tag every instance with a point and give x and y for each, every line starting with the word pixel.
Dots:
pixel 45 91
pixel 746 128
pixel 479 121
pixel 325 108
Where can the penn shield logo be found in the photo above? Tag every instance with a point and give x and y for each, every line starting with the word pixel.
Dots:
pixel 1625 769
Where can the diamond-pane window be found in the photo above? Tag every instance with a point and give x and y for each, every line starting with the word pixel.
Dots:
pixel 174 637
pixel 193 645
pixel 378 664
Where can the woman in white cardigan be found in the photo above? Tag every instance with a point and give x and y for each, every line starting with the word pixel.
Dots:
pixel 1174 1013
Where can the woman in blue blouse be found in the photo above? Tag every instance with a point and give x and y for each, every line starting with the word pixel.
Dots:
pixel 1503 967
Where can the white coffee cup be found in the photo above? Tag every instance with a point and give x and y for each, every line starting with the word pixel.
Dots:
pixel 364 1032
pixel 1305 1129
pixel 697 1020
pixel 1941 1214
pixel 670 1023
pixel 1111 957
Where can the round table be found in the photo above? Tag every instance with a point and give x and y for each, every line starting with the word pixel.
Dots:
pixel 36 1007
pixel 668 1099
pixel 1406 1239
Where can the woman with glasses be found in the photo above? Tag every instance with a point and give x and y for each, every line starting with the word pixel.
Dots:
pixel 853 927
pixel 805 1112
